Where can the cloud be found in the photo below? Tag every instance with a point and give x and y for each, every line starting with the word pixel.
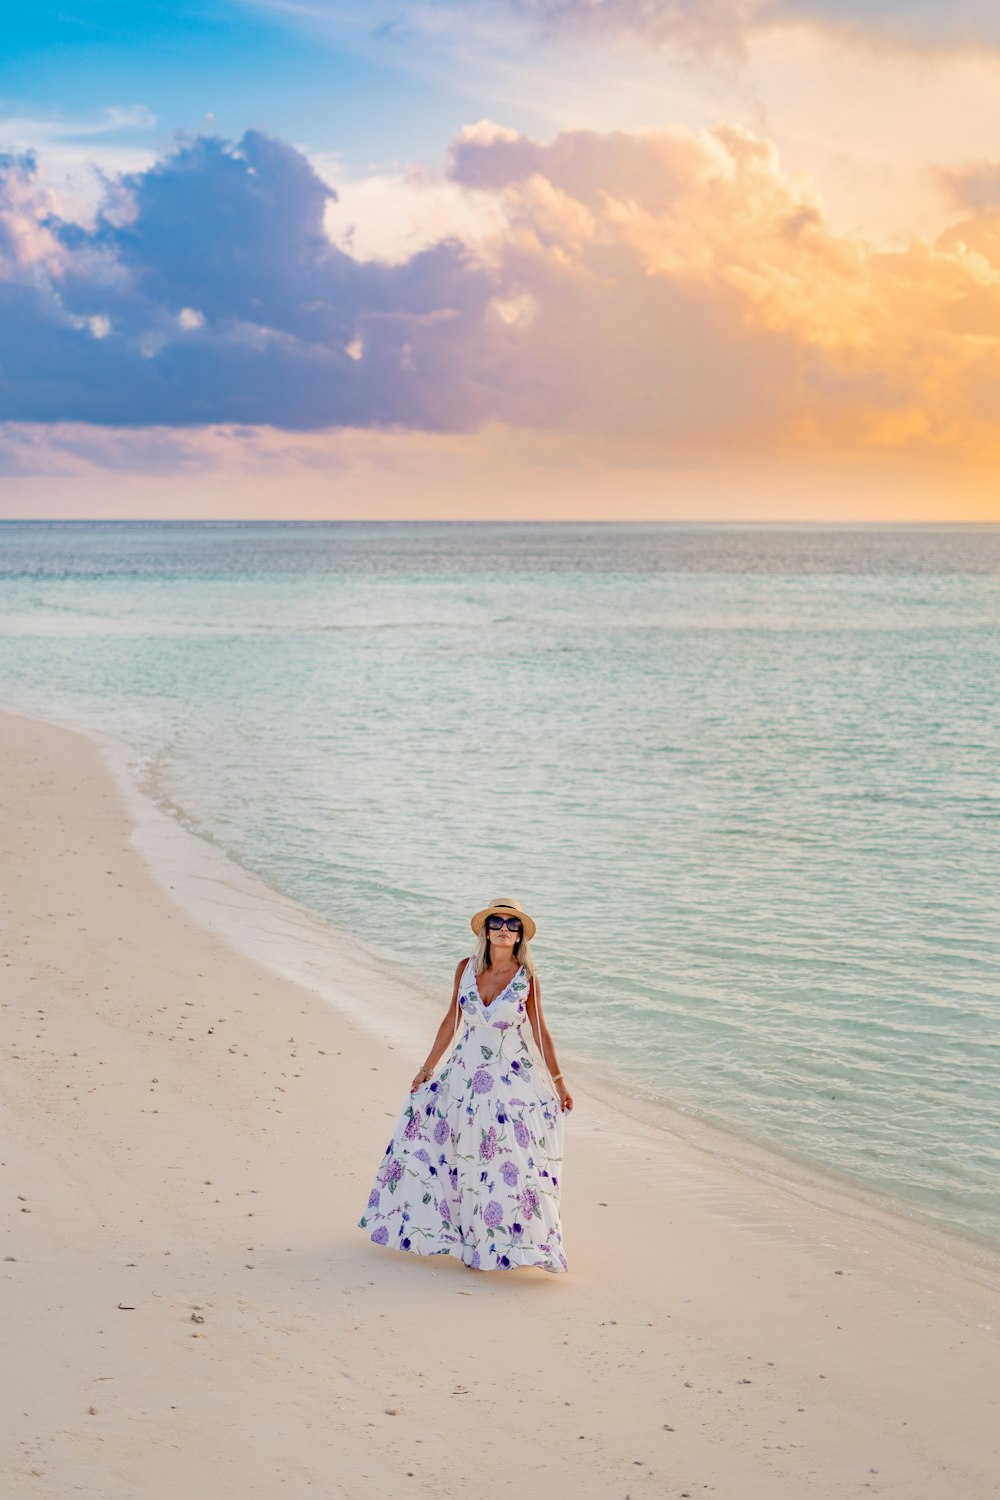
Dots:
pixel 975 186
pixel 704 29
pixel 712 292
pixel 699 28
pixel 677 289
pixel 26 131
pixel 221 299
pixel 80 150
pixel 700 31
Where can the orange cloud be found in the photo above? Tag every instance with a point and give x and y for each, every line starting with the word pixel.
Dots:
pixel 713 295
pixel 678 291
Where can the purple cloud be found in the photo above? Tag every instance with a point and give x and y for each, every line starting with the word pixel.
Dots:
pixel 208 292
pixel 675 287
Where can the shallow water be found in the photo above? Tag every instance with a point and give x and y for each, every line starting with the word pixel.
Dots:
pixel 744 778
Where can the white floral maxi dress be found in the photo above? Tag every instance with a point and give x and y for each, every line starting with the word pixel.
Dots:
pixel 474 1163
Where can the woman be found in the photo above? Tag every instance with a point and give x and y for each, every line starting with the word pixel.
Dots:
pixel 474 1164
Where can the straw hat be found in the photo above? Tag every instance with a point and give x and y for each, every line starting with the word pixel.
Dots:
pixel 503 909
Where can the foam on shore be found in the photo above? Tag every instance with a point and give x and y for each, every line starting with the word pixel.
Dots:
pixel 263 924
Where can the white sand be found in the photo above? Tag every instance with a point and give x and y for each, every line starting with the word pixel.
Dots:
pixel 185 1130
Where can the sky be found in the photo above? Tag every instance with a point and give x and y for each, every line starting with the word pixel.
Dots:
pixel 687 260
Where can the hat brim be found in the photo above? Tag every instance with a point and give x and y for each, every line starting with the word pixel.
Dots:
pixel 503 911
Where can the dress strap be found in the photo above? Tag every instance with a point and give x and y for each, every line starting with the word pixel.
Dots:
pixel 458 997
pixel 538 1039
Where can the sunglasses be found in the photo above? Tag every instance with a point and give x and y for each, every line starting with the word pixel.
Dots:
pixel 495 923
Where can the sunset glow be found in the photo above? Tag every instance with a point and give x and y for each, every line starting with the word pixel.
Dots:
pixel 549 260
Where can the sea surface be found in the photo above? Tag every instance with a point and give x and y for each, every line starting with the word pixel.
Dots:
pixel 746 778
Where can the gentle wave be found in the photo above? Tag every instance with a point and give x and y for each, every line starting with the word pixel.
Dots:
pixel 744 778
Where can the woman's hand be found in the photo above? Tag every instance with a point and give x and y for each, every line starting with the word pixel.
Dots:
pixel 419 1078
pixel 565 1097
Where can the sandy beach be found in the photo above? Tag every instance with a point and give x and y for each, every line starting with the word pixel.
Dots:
pixel 189 1136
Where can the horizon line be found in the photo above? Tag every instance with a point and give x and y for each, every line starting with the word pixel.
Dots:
pixel 480 521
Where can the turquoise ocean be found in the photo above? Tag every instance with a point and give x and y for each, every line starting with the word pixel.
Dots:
pixel 747 779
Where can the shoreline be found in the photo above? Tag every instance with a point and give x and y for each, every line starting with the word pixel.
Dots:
pixel 264 924
pixel 724 1332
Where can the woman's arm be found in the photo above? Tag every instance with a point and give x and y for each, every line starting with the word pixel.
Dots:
pixel 445 1031
pixel 545 1044
pixel 542 1035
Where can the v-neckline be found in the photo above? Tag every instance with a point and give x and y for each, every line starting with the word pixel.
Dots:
pixel 488 1005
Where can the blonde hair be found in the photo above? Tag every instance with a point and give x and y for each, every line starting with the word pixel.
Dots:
pixel 481 956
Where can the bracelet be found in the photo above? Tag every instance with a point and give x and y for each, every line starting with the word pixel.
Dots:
pixel 557 1075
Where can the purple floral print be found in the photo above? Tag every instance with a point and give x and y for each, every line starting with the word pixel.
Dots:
pixel 528 1201
pixel 490 1194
